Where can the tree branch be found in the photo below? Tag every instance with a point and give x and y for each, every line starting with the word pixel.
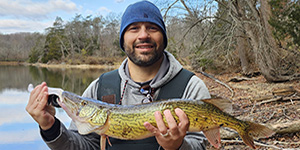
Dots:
pixel 218 81
pixel 165 15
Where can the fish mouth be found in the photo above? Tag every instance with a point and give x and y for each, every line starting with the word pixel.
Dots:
pixel 70 108
pixel 77 107
pixel 70 104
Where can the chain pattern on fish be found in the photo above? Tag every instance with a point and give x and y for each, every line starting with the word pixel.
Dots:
pixel 126 122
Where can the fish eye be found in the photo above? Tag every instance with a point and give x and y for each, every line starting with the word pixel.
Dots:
pixel 83 103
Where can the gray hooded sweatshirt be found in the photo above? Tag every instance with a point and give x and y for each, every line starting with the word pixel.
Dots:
pixel 70 139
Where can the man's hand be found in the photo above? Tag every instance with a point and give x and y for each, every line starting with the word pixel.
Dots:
pixel 169 138
pixel 37 107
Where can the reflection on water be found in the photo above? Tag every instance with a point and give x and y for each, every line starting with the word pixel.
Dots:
pixel 17 129
pixel 74 80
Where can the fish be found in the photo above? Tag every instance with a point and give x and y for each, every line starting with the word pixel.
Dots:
pixel 126 121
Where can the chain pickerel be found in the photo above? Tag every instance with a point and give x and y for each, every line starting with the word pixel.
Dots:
pixel 127 121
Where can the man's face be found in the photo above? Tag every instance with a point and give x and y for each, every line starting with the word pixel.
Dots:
pixel 143 43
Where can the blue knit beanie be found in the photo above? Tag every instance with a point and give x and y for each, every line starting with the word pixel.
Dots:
pixel 143 11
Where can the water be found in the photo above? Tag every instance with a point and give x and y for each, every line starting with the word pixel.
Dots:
pixel 18 131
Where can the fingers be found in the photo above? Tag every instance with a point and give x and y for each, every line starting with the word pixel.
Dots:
pixel 42 99
pixel 35 93
pixel 150 128
pixel 160 123
pixel 184 121
pixel 37 100
pixel 169 134
pixel 161 128
pixel 171 125
pixel 173 128
pixel 33 97
pixel 38 109
pixel 38 97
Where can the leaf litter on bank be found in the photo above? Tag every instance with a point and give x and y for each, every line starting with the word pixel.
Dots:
pixel 246 108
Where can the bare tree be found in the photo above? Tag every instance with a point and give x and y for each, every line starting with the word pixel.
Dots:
pixel 252 17
pixel 16 46
pixel 247 36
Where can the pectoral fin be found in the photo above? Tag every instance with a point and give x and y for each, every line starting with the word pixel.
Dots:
pixel 103 142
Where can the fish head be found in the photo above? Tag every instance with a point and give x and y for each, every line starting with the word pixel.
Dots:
pixel 86 114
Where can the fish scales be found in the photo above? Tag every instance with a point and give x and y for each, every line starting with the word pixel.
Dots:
pixel 127 122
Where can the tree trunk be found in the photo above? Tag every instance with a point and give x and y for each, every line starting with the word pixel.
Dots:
pixel 242 43
pixel 242 48
pixel 269 57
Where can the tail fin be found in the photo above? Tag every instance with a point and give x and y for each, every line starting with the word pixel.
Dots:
pixel 255 130
pixel 260 131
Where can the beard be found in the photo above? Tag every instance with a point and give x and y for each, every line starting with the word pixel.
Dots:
pixel 144 59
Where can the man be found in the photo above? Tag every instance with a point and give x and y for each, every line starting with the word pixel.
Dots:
pixel 149 73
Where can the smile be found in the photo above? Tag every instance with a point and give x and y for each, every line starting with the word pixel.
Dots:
pixel 144 46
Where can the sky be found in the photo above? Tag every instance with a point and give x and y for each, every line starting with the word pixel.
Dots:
pixel 36 15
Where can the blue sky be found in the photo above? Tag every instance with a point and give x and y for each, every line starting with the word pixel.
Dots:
pixel 36 15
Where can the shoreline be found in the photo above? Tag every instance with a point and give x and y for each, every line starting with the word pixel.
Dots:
pixel 68 66
pixel 81 66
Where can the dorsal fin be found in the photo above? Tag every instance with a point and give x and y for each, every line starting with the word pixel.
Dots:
pixel 222 103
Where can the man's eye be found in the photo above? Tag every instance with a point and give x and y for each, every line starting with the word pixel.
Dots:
pixel 133 28
pixel 153 28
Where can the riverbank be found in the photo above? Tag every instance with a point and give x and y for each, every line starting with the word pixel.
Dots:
pixel 3 63
pixel 81 66
pixel 62 65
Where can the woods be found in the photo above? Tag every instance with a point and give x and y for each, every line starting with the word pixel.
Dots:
pixel 219 35
pixel 83 36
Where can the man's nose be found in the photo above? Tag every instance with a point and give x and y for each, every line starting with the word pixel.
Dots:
pixel 143 34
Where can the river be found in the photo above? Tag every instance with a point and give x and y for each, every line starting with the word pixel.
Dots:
pixel 18 131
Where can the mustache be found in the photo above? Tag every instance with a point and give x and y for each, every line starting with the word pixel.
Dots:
pixel 143 42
